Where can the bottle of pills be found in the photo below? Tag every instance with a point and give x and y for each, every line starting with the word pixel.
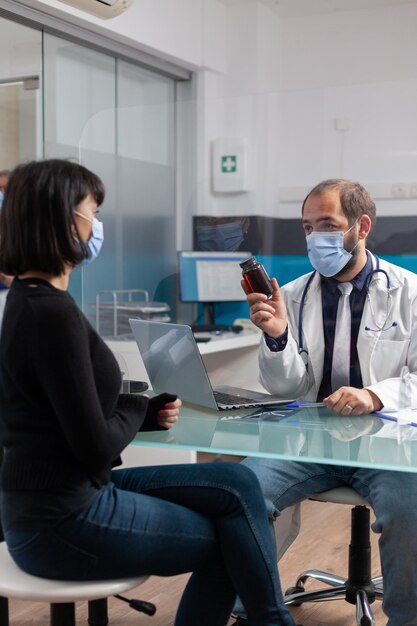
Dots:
pixel 256 277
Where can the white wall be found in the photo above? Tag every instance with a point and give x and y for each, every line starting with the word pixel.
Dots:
pixel 176 30
pixel 282 83
pixel 288 80
pixel 350 47
pixel 240 103
pixel 358 67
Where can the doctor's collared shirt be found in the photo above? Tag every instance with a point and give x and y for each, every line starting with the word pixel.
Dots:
pixel 330 297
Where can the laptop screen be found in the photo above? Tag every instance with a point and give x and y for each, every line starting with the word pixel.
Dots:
pixel 173 361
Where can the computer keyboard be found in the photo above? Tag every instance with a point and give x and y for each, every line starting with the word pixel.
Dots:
pixel 212 328
pixel 227 398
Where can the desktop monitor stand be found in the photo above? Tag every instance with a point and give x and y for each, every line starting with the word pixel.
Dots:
pixel 208 312
pixel 209 324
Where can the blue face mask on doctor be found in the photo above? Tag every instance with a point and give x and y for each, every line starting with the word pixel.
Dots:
pixel 96 238
pixel 327 252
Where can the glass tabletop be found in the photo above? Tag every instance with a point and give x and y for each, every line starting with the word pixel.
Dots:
pixel 311 434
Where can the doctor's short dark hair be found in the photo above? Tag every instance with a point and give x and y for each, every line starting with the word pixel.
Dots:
pixel 37 225
pixel 354 199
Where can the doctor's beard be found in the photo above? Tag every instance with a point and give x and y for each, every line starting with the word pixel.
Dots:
pixel 351 246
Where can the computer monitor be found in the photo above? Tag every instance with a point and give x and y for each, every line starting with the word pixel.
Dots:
pixel 210 277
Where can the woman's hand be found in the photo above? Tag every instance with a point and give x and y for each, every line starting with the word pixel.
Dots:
pixel 168 416
pixel 5 279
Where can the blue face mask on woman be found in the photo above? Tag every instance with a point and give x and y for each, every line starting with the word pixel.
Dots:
pixel 224 237
pixel 96 238
pixel 327 252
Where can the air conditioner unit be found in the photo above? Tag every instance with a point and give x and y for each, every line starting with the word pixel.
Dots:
pixel 101 8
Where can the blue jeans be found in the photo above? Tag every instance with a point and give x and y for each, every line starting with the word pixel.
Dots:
pixel 209 519
pixel 393 497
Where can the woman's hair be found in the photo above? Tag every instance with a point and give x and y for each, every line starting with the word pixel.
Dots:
pixel 38 231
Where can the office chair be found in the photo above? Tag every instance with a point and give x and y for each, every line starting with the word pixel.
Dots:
pixel 359 588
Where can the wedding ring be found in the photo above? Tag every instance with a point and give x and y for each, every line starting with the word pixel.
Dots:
pixel 350 408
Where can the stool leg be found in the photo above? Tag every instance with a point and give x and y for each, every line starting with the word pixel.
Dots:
pixel 63 614
pixel 364 615
pixel 97 612
pixel 359 577
pixel 4 611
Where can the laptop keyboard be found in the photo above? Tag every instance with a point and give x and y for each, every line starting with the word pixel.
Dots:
pixel 238 401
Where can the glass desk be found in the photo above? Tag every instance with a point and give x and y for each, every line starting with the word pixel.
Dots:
pixel 306 434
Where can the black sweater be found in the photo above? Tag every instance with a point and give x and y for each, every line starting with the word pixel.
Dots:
pixel 63 423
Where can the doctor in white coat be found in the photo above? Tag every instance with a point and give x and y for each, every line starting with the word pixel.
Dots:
pixel 304 358
pixel 387 340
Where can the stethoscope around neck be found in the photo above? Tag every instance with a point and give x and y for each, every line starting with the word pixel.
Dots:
pixel 379 328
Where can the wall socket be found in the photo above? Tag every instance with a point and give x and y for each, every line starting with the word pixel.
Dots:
pixel 342 123
pixel 399 190
pixel 404 190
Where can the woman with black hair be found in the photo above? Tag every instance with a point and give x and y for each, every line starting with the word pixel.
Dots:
pixel 63 424
pixel 5 281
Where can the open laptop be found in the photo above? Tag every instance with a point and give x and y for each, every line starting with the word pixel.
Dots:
pixel 174 365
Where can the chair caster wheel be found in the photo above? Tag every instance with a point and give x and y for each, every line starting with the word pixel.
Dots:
pixel 292 590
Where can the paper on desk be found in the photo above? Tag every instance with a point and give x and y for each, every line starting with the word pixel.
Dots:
pixel 403 416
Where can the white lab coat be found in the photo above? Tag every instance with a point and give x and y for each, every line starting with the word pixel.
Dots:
pixel 382 354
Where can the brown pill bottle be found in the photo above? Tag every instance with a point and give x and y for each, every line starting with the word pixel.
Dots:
pixel 256 277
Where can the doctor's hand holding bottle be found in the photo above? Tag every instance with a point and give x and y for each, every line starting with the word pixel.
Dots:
pixel 268 314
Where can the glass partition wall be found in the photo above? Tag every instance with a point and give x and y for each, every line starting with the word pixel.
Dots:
pixel 59 99
pixel 117 119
